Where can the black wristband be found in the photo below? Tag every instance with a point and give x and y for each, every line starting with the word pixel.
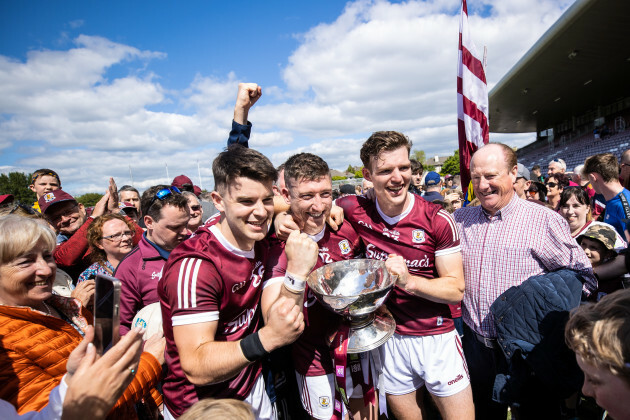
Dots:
pixel 253 348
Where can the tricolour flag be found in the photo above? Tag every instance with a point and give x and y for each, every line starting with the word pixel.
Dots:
pixel 472 102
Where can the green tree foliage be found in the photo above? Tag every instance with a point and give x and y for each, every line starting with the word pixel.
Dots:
pixel 451 165
pixel 358 174
pixel 89 199
pixel 350 169
pixel 418 155
pixel 338 178
pixel 16 183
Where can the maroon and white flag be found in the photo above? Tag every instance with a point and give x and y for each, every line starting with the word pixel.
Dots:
pixel 472 101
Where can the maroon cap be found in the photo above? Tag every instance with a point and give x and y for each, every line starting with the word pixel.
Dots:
pixel 6 199
pixel 53 197
pixel 125 205
pixel 180 180
pixel 196 190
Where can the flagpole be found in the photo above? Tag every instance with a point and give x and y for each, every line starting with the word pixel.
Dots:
pixel 130 175
pixel 199 172
pixel 167 177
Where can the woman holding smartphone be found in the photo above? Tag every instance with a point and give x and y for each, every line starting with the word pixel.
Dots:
pixel 39 330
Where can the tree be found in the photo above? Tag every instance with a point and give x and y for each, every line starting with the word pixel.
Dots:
pixel 89 199
pixel 451 165
pixel 338 178
pixel 350 169
pixel 16 184
pixel 418 155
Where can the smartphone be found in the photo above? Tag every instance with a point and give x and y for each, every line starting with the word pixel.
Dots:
pixel 106 312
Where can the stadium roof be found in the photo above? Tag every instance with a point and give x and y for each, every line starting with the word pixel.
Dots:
pixel 581 62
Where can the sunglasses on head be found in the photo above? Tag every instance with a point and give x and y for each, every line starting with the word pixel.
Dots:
pixel 162 194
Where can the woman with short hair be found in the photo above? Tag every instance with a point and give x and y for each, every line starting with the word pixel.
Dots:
pixel 39 330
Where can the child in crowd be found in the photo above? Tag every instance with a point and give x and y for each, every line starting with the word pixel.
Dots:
pixel 598 242
pixel 44 181
pixel 599 334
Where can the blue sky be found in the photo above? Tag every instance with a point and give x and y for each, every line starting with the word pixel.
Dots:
pixel 90 88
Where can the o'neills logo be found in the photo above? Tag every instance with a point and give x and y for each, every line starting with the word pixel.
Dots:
pixel 454 381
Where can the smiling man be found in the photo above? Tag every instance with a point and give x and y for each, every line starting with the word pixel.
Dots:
pixel 211 290
pixel 505 241
pixel 421 245
pixel 308 191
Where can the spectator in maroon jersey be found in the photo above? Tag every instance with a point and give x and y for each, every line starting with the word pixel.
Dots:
pixel 166 216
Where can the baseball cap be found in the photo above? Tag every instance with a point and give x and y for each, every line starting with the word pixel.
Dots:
pixel 53 197
pixel 6 199
pixel 602 233
pixel 523 172
pixel 181 180
pixel 347 189
pixel 196 190
pixel 432 178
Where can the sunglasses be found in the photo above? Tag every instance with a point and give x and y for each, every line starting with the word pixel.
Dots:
pixel 162 194
pixel 27 209
pixel 551 184
pixel 195 208
pixel 532 193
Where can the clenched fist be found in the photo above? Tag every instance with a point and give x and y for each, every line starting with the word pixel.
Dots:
pixel 285 323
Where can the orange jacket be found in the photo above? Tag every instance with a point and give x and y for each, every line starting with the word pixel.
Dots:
pixel 34 349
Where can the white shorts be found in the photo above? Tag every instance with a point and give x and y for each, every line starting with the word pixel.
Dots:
pixel 318 392
pixel 434 361
pixel 257 398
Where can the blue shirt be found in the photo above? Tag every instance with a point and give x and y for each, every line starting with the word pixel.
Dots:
pixel 163 253
pixel 615 214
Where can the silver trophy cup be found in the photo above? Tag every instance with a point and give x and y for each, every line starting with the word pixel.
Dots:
pixel 354 289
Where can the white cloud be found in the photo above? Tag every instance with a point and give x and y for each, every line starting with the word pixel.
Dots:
pixel 378 66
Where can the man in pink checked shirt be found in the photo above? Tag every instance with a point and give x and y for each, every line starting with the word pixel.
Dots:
pixel 504 242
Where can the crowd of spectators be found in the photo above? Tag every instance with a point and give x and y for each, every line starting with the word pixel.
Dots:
pixel 514 298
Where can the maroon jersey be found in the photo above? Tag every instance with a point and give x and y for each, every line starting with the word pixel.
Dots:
pixel 421 233
pixel 207 279
pixel 311 353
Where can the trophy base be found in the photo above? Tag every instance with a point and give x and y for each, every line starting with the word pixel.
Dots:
pixel 369 332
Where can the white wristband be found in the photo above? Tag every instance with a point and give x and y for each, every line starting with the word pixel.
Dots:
pixel 294 283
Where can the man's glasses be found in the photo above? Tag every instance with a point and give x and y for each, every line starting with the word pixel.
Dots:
pixel 118 237
pixel 195 208
pixel 551 184
pixel 162 194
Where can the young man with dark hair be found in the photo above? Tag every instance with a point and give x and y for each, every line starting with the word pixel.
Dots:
pixel 416 177
pixel 211 288
pixel 166 216
pixel 308 191
pixel 420 244
pixel 603 173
